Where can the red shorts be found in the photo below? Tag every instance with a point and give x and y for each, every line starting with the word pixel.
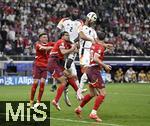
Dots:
pixel 56 67
pixel 39 72
pixel 95 77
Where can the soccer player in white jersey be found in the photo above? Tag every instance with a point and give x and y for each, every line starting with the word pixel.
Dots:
pixel 88 36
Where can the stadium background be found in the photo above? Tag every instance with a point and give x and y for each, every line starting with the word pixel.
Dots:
pixel 126 24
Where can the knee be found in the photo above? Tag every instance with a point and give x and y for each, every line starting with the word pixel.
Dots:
pixel 62 80
pixel 42 89
pixel 103 93
pixel 92 94
pixel 35 82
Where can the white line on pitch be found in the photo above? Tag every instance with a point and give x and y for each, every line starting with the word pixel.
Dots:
pixel 70 120
pixel 117 93
pixel 86 122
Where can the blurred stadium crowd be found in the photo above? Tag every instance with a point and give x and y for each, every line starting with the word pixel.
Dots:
pixel 126 23
pixel 129 75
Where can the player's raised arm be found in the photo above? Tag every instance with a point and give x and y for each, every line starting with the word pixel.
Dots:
pixel 60 25
pixel 100 40
pixel 84 37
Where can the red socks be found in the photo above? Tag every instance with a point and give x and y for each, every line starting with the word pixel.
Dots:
pixel 72 82
pixel 59 92
pixel 85 100
pixel 33 90
pixel 99 99
pixel 41 90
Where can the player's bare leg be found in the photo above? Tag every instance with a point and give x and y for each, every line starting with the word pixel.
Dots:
pixel 84 79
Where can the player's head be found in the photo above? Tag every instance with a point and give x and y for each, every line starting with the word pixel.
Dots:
pixel 65 35
pixel 101 35
pixel 91 17
pixel 43 37
pixel 74 12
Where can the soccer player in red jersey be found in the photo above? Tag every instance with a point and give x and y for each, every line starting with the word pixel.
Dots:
pixel 43 48
pixel 56 61
pixel 96 86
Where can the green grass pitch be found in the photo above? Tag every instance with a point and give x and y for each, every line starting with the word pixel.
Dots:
pixel 125 105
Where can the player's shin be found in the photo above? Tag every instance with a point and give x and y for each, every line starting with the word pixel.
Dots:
pixel 33 90
pixel 60 91
pixel 83 80
pixel 99 99
pixel 41 90
pixel 85 100
pixel 72 82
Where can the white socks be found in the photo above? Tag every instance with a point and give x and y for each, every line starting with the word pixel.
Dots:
pixel 83 80
pixel 93 112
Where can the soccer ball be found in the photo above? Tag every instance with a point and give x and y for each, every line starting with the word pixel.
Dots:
pixel 92 16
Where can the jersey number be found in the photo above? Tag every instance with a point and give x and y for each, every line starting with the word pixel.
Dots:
pixel 71 29
pixel 89 32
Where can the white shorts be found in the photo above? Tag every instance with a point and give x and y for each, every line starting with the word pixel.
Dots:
pixel 85 59
pixel 72 56
pixel 72 69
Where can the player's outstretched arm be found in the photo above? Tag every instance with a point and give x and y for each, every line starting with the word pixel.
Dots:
pixel 96 59
pixel 84 37
pixel 45 48
pixel 109 46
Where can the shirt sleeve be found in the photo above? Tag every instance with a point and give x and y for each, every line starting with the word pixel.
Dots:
pixel 37 46
pixel 60 24
pixel 97 51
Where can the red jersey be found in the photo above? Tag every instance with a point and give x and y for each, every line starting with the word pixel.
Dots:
pixel 60 44
pixel 96 49
pixel 41 58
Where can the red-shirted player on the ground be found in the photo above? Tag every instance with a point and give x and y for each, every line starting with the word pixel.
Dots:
pixel 56 65
pixel 96 85
pixel 43 48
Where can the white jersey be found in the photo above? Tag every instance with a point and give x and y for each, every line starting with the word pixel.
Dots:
pixel 85 46
pixel 71 27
